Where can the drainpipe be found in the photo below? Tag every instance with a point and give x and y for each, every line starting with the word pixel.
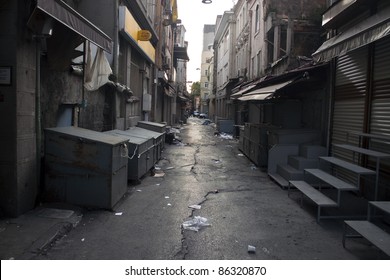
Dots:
pixel 83 104
pixel 38 108
pixel 116 57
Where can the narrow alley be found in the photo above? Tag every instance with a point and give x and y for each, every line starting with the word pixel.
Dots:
pixel 242 205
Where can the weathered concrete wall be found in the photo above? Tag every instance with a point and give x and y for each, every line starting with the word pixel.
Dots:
pixel 97 115
pixel 18 188
pixel 26 161
pixel 8 20
pixel 57 87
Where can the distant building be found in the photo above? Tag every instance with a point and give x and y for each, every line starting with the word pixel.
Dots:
pixel 206 70
pixel 224 63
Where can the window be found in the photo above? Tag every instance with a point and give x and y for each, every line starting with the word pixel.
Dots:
pixel 206 84
pixel 258 64
pixel 257 19
pixel 253 67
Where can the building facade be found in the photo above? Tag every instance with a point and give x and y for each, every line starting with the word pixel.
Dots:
pixel 224 63
pixel 99 65
pixel 358 48
pixel 180 65
pixel 206 82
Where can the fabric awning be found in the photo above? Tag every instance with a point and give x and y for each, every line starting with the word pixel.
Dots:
pixel 363 33
pixel 255 97
pixel 264 92
pixel 180 53
pixel 242 91
pixel 65 14
pixel 182 98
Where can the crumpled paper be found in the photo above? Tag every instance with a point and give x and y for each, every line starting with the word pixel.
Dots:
pixel 196 223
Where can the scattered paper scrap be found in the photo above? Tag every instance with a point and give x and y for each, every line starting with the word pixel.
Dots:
pixel 118 213
pixel 196 223
pixel 195 206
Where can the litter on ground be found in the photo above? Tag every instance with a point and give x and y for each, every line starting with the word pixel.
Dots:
pixel 196 224
pixel 251 249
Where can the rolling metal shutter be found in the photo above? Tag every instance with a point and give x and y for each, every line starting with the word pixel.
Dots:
pixel 349 103
pixel 350 94
pixel 380 105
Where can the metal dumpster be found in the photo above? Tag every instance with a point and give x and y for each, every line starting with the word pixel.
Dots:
pixel 140 153
pixel 84 167
pixel 157 137
pixel 153 126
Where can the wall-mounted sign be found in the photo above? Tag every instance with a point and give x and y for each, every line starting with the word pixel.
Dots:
pixel 144 35
pixel 130 27
pixel 5 75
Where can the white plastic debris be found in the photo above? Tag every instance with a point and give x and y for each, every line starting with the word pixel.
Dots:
pixel 225 136
pixel 118 213
pixel 195 206
pixel 196 223
pixel 251 249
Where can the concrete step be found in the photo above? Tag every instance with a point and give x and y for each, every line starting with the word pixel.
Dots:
pixel 332 180
pixel 289 173
pixel 279 179
pixel 349 166
pixel 312 151
pixel 301 163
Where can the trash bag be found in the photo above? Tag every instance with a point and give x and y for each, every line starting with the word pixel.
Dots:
pixel 196 223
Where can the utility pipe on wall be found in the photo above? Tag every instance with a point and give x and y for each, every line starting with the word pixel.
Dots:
pixel 38 108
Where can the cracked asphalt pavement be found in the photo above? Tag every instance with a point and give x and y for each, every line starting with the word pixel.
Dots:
pixel 242 204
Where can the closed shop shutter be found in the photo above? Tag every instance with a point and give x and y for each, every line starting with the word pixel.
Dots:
pixel 349 103
pixel 350 93
pixel 380 106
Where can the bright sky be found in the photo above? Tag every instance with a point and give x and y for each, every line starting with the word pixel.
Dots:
pixel 194 15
